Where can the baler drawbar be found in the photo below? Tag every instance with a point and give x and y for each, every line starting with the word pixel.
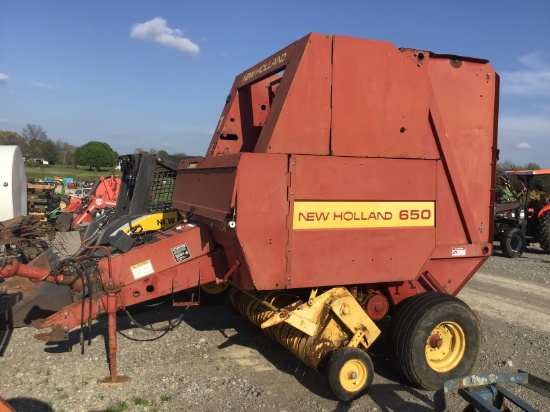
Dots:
pixel 347 181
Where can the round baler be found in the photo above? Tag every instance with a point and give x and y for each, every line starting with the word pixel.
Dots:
pixel 347 182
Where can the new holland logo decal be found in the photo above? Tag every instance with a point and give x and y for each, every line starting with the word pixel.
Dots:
pixel 362 215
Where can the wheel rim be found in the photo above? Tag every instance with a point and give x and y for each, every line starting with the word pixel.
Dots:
pixel 515 243
pixel 445 346
pixel 213 289
pixel 353 375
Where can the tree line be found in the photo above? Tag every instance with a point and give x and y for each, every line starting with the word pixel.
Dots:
pixel 35 144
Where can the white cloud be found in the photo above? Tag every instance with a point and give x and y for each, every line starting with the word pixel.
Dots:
pixel 3 121
pixel 40 85
pixel 523 145
pixel 157 30
pixel 524 139
pixel 535 80
pixel 4 78
pixel 536 61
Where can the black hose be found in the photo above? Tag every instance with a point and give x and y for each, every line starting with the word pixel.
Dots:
pixel 170 325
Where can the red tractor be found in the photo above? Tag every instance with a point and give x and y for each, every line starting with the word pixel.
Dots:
pixel 524 217
pixel 102 195
pixel 347 182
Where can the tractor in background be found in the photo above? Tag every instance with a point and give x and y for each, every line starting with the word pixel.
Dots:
pixel 522 211
pixel 80 210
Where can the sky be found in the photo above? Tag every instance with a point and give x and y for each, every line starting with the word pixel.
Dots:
pixel 155 74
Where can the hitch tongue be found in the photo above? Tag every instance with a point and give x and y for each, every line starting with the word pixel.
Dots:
pixel 57 334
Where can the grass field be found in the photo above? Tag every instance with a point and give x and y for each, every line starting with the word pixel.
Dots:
pixel 78 174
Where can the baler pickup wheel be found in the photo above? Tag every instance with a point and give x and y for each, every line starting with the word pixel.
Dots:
pixel 433 338
pixel 350 373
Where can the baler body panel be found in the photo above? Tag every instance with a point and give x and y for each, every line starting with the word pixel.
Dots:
pixel 359 175
pixel 371 165
pixel 379 102
pixel 338 214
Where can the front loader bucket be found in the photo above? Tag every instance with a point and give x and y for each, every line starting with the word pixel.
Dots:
pixel 65 221
pixel 23 302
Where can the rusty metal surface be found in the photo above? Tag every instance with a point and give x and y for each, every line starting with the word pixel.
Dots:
pixel 24 303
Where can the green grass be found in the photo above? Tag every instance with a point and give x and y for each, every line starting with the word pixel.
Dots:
pixel 120 406
pixel 141 402
pixel 78 174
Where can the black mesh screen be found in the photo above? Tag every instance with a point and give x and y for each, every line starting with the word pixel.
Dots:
pixel 162 190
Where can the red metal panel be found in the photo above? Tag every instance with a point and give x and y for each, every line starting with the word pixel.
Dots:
pixel 369 255
pixel 297 116
pixel 343 257
pixel 262 210
pixel 380 102
pixel 450 228
pixel 205 186
pixel 462 106
pixel 154 257
pixel 348 178
pixel 303 101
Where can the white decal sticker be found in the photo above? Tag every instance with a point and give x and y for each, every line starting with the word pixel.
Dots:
pixel 459 251
pixel 142 269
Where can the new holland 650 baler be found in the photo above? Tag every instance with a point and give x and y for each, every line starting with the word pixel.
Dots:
pixel 347 181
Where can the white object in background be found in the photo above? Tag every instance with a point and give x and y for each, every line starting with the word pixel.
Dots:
pixel 13 183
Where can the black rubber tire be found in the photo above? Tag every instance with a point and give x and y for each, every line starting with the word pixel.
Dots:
pixel 350 359
pixel 513 242
pixel 410 331
pixel 64 202
pixel 544 231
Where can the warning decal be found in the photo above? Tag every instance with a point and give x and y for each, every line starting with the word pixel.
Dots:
pixel 459 251
pixel 142 269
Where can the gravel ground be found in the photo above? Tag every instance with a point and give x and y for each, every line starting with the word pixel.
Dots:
pixel 213 360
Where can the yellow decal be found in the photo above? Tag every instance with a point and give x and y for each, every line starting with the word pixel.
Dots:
pixel 156 221
pixel 360 215
pixel 266 66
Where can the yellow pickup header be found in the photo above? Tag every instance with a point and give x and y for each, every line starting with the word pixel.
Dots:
pixel 362 215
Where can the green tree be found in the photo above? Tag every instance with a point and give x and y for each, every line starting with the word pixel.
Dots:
pixel 95 155
pixel 50 151
pixel 66 152
pixel 162 152
pixel 10 138
pixel 532 166
pixel 35 136
pixel 507 165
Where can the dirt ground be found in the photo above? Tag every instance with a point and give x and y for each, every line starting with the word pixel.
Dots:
pixel 213 360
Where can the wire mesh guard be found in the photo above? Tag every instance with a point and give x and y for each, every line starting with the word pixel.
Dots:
pixel 162 190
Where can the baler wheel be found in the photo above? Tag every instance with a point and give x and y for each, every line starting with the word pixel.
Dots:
pixel 513 243
pixel 544 231
pixel 434 338
pixel 350 372
pixel 212 294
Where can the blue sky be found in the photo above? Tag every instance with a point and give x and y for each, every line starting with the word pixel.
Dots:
pixel 155 74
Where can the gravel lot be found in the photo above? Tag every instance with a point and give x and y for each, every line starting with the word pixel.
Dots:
pixel 213 360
